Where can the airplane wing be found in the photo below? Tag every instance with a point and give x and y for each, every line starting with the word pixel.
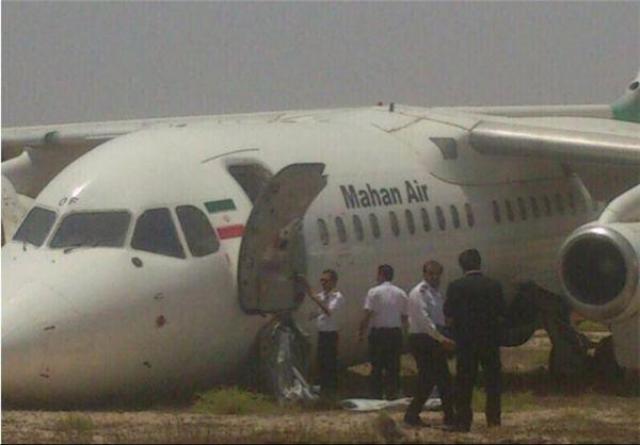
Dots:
pixel 587 140
pixel 562 138
pixel 599 143
pixel 85 136
pixel 607 134
pixel 82 137
pixel 33 155
pixel 604 153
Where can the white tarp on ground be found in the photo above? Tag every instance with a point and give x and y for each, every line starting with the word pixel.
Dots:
pixel 364 405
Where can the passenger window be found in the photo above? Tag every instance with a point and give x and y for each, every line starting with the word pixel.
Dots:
pixel 36 226
pixel 426 221
pixel 572 203
pixel 470 218
pixel 522 207
pixel 342 230
pixel 535 210
pixel 323 231
pixel 442 223
pixel 455 217
pixel 510 214
pixel 395 226
pixel 496 212
pixel 156 233
pixel 547 205
pixel 411 224
pixel 375 227
pixel 358 228
pixel 559 203
pixel 200 236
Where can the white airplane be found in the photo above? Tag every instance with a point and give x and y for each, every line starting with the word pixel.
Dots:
pixel 140 255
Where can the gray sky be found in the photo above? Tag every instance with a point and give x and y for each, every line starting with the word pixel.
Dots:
pixel 74 62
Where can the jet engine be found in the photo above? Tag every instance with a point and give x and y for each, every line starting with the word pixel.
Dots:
pixel 599 266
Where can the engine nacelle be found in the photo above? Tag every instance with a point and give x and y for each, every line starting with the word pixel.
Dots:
pixel 600 268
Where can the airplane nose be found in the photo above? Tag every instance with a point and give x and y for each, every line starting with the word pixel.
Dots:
pixel 26 336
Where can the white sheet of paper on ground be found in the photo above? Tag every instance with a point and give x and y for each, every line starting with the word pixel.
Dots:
pixel 364 405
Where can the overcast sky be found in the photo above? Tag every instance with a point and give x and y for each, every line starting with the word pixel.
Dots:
pixel 73 62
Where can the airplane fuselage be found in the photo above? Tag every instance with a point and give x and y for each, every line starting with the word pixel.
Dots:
pixel 105 321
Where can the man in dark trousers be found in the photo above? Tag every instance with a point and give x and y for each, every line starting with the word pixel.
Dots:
pixel 385 309
pixel 330 302
pixel 429 346
pixel 474 308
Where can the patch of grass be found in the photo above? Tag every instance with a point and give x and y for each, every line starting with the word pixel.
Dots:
pixel 234 400
pixel 591 326
pixel 74 423
pixel 510 401
pixel 586 426
pixel 538 358
pixel 516 402
pixel 310 432
pixel 296 431
pixel 73 428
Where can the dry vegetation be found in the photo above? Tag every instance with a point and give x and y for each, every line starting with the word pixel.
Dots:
pixel 536 409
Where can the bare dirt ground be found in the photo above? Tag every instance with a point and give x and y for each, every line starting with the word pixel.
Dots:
pixel 535 410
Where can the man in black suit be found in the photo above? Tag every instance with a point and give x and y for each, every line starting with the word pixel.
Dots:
pixel 474 308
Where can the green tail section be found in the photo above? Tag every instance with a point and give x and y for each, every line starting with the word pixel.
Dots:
pixel 627 108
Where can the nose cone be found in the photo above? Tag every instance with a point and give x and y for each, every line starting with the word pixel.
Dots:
pixel 25 340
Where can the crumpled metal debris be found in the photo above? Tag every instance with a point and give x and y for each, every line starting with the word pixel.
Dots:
pixel 284 360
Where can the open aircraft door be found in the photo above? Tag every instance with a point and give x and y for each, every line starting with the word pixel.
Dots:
pixel 272 249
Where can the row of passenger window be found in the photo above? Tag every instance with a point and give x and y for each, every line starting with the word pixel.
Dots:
pixel 394 222
pixel 538 207
pixel 154 232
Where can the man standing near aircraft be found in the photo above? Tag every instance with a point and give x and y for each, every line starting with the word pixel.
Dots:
pixel 428 346
pixel 330 301
pixel 385 309
pixel 474 308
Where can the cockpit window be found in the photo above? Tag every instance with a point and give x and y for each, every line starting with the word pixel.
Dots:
pixel 36 226
pixel 156 233
pixel 92 229
pixel 196 227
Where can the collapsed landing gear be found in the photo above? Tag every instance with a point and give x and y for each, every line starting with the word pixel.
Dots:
pixel 569 355
pixel 604 360
pixel 573 355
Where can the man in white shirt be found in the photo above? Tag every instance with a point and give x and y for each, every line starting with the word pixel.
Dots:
pixel 429 346
pixel 385 310
pixel 330 301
